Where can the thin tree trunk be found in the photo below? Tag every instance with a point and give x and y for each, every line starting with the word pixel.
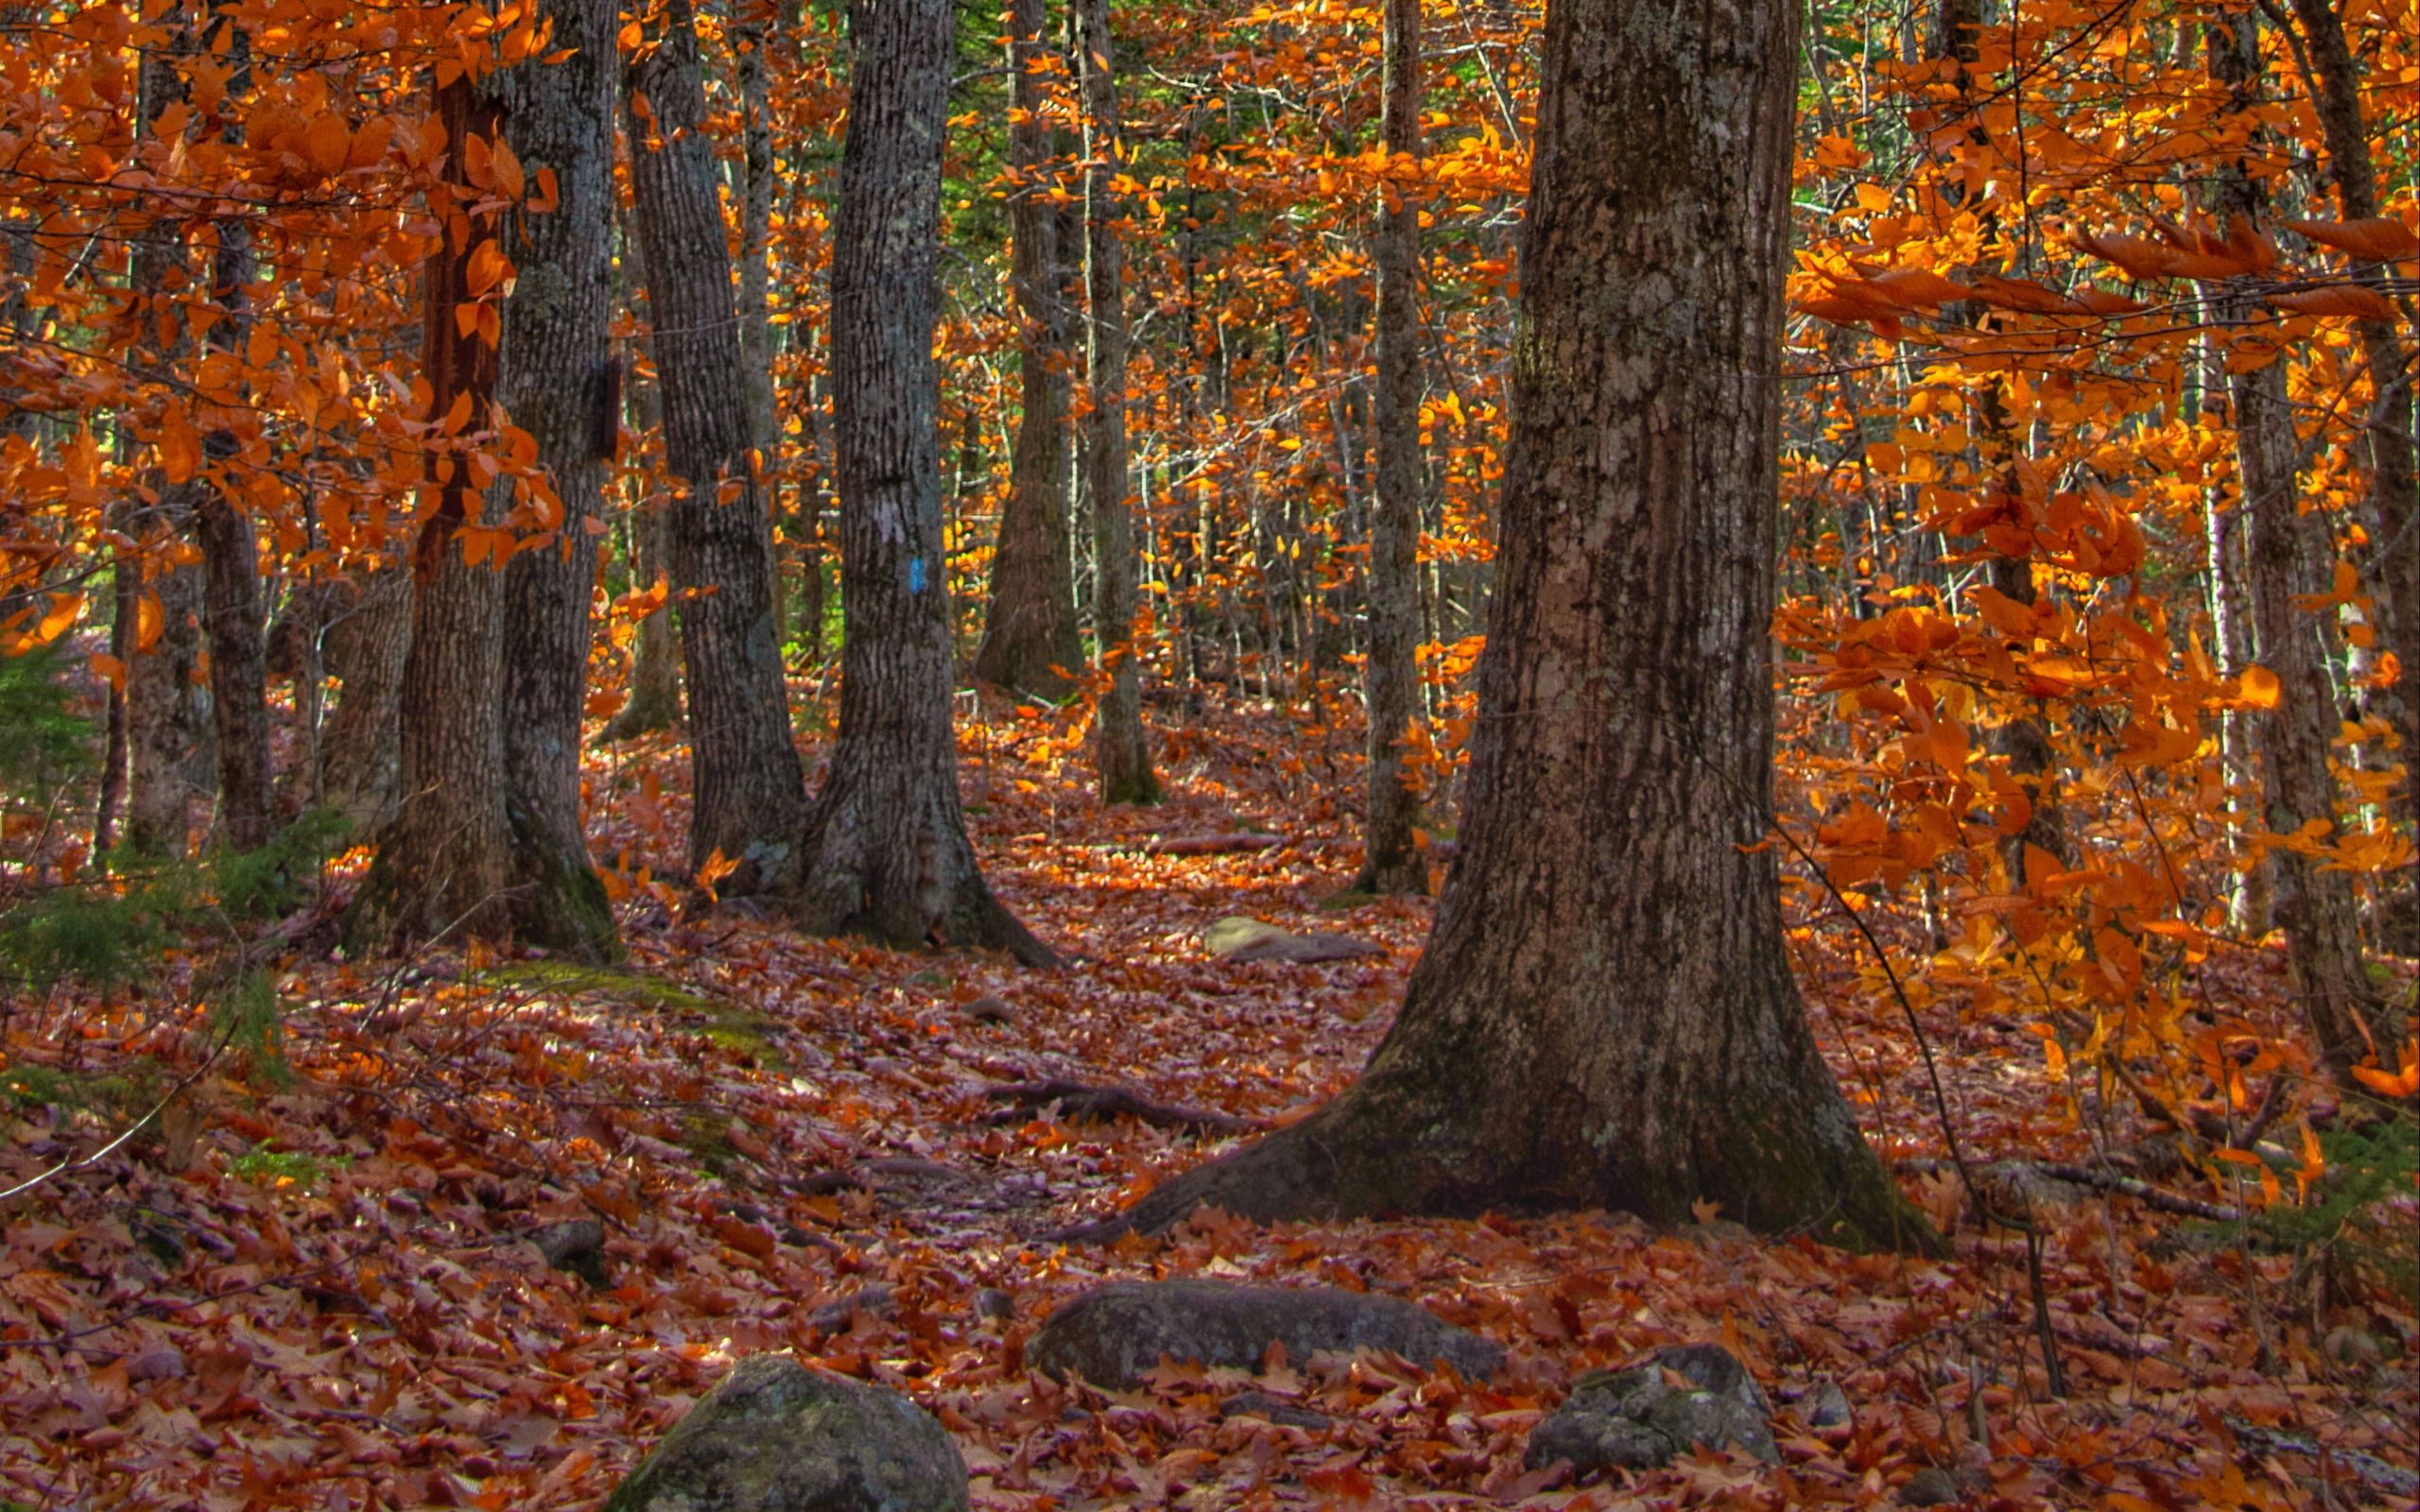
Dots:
pixel 747 791
pixel 443 864
pixel 655 660
pixel 233 611
pixel 2392 503
pixel 748 35
pixel 168 712
pixel 2023 741
pixel 1605 1016
pixel 1121 756
pixel 2315 906
pixel 1392 861
pixel 557 384
pixel 365 643
pixel 886 848
pixel 1029 639
pixel 2248 902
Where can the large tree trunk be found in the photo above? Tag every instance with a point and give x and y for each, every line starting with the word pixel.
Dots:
pixel 886 848
pixel 557 387
pixel 1605 1014
pixel 748 793
pixel 2314 906
pixel 443 864
pixel 1121 757
pixel 1029 639
pixel 1392 861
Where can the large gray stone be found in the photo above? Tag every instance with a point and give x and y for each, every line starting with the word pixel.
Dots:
pixel 1636 1418
pixel 775 1436
pixel 1113 1335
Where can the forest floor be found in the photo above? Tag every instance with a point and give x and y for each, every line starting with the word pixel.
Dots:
pixel 322 1289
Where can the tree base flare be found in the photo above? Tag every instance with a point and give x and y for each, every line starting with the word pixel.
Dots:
pixel 1374 1154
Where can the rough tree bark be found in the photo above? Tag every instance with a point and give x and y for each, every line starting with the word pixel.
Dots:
pixel 556 384
pixel 1031 643
pixel 1605 1015
pixel 1392 861
pixel 443 863
pixel 1121 756
pixel 747 791
pixel 885 847
pixel 2315 907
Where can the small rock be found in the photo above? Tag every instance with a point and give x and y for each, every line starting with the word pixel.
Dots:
pixel 1826 1411
pixel 1113 1335
pixel 158 1360
pixel 1237 939
pixel 576 1245
pixel 1637 1418
pixel 874 1301
pixel 2347 1344
pixel 1930 1487
pixel 774 1436
pixel 995 1303
pixel 987 1010
pixel 1277 1409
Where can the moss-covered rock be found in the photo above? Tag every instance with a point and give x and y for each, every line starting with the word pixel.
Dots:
pixel 775 1436
pixel 1639 1417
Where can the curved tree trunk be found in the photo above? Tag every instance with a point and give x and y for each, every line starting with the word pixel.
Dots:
pixel 557 387
pixel 1121 756
pixel 2285 550
pixel 1605 1015
pixel 886 851
pixel 1391 672
pixel 443 863
pixel 747 791
pixel 1029 639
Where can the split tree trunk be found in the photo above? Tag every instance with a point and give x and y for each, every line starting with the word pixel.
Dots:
pixel 556 386
pixel 445 863
pixel 1392 861
pixel 1121 756
pixel 1605 1014
pixel 2314 906
pixel 747 791
pixel 1031 643
pixel 885 848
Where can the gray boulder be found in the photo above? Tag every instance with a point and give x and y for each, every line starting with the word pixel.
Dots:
pixel 775 1436
pixel 1636 1418
pixel 1113 1335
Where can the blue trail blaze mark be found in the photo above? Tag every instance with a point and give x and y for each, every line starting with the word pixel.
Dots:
pixel 916 574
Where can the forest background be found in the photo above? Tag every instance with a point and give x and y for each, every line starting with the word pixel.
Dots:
pixel 353 448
